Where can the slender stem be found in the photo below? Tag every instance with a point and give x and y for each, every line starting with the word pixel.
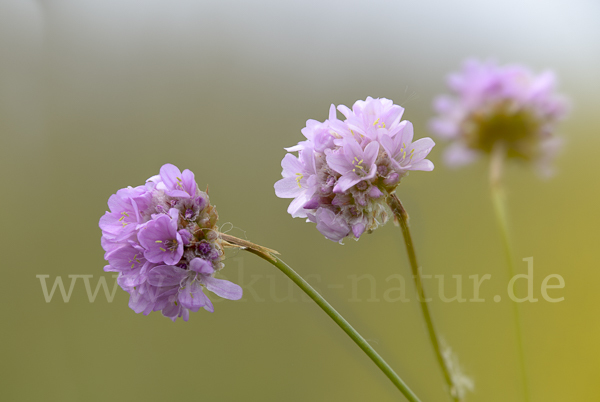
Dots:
pixel 339 320
pixel 497 159
pixel 402 217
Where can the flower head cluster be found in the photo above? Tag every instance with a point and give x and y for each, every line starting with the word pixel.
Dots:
pixel 504 106
pixel 162 239
pixel 346 168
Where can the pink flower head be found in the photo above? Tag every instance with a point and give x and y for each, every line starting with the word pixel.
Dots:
pixel 161 239
pixel 496 105
pixel 345 169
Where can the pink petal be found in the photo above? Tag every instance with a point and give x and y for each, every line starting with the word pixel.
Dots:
pixel 370 153
pixel 223 288
pixel 291 165
pixel 352 150
pixel 424 165
pixel 166 275
pixel 287 188
pixel 339 163
pixel 201 266
pixel 345 182
pixel 421 147
pixel 191 296
pixel 189 182
pixel 296 208
pixel 407 133
pixel 332 112
pixel 344 110
pixel 169 174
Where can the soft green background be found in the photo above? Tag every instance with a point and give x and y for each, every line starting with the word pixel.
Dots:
pixel 97 95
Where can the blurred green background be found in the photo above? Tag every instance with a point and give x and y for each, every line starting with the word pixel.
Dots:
pixel 97 95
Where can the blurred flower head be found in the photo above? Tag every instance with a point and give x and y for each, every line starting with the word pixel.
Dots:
pixel 346 168
pixel 162 239
pixel 505 106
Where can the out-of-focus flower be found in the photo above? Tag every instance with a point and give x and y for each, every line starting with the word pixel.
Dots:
pixel 162 239
pixel 506 106
pixel 345 168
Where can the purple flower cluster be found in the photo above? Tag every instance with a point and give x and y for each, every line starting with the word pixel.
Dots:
pixel 506 105
pixel 346 168
pixel 163 241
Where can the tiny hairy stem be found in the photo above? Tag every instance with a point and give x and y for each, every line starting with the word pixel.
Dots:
pixel 496 164
pixel 402 218
pixel 335 316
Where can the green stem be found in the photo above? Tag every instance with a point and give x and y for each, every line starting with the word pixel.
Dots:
pixel 339 320
pixel 402 217
pixel 497 192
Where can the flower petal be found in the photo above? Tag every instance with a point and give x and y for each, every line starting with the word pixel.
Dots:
pixel 189 182
pixel 424 165
pixel 166 275
pixel 201 266
pixel 296 208
pixel 345 182
pixel 407 133
pixel 338 162
pixel 209 306
pixel 291 165
pixel 169 174
pixel 421 148
pixel 191 296
pixel 371 152
pixel 332 226
pixel 223 288
pixel 358 229
pixel 352 150
pixel 287 188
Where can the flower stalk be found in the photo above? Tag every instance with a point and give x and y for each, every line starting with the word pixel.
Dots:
pixel 271 257
pixel 496 167
pixel 402 217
